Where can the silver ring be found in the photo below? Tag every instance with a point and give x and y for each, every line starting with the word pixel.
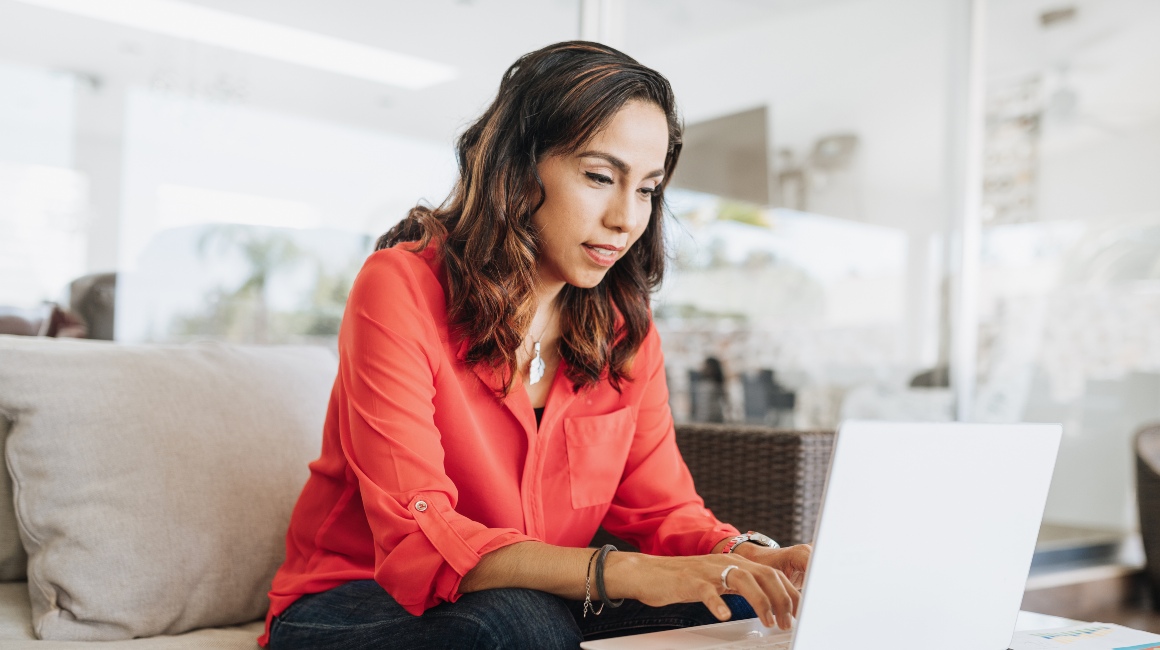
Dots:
pixel 725 575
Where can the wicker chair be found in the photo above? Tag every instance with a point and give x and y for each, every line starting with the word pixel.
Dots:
pixel 1148 499
pixel 755 477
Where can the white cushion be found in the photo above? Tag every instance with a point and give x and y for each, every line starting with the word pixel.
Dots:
pixel 153 484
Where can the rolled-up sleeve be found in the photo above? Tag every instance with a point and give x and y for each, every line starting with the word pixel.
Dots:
pixel 656 505
pixel 388 363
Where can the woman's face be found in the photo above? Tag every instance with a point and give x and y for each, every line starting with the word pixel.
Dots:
pixel 598 200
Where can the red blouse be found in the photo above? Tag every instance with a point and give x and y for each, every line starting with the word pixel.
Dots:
pixel 423 469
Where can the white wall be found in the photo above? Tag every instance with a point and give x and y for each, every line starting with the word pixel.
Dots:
pixel 98 153
pixel 1106 173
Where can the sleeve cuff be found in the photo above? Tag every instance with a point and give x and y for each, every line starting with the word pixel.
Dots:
pixel 426 567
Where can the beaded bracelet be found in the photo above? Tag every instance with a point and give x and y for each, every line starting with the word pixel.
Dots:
pixel 588 589
pixel 604 550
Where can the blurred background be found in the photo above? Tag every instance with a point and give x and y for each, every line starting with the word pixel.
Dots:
pixel 886 209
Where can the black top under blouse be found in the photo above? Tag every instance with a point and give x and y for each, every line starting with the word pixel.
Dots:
pixel 539 415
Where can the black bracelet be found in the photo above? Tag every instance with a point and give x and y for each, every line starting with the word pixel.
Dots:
pixel 588 588
pixel 604 550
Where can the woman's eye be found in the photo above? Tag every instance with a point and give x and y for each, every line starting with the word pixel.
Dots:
pixel 648 191
pixel 599 178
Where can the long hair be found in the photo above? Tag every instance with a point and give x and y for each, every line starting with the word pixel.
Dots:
pixel 550 102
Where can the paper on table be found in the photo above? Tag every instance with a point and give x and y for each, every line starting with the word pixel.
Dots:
pixel 1087 636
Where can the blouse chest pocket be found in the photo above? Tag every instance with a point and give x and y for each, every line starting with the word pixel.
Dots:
pixel 597 447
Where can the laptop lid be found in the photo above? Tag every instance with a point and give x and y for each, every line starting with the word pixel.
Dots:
pixel 926 535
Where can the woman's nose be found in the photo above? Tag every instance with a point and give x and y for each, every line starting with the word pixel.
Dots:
pixel 621 214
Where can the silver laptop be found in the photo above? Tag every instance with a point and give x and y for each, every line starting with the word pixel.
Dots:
pixel 924 541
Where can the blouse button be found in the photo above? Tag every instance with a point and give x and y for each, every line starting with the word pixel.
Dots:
pixel 421 506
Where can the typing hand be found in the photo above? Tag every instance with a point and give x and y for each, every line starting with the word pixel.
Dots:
pixel 792 560
pixel 658 581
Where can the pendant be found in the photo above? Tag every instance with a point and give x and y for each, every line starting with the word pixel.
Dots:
pixel 536 369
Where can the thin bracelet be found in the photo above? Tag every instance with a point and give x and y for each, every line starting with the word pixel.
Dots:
pixel 604 550
pixel 588 589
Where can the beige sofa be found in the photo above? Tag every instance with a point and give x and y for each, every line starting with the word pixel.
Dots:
pixel 148 488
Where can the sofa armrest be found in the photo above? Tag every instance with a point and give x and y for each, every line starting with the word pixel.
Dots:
pixel 756 477
pixel 1147 447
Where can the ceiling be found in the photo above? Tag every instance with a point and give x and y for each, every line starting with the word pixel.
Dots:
pixel 1110 51
pixel 657 24
pixel 481 38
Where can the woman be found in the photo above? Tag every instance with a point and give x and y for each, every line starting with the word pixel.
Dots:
pixel 501 394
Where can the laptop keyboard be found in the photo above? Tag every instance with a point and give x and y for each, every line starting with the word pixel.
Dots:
pixel 765 643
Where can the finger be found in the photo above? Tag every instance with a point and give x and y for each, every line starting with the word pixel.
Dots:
pixel 715 603
pixel 767 578
pixel 781 592
pixel 791 589
pixel 779 588
pixel 798 579
pixel 743 582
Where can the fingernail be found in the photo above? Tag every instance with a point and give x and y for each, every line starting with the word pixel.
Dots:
pixel 723 612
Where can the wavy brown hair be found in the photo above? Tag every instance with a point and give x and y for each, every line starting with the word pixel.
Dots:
pixel 550 102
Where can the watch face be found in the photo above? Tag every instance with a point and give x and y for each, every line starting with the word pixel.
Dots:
pixel 764 540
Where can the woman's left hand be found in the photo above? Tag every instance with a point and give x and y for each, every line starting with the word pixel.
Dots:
pixel 791 561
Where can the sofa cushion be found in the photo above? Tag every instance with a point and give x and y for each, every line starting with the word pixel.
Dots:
pixel 13 559
pixel 15 613
pixel 16 632
pixel 153 484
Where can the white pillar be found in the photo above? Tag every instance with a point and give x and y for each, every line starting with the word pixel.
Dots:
pixel 98 153
pixel 603 21
pixel 965 192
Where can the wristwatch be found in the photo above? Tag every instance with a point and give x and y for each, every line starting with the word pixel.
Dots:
pixel 751 536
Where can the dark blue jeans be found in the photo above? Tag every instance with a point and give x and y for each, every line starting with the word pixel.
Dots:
pixel 361 614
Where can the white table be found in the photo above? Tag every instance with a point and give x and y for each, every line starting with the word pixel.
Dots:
pixel 1033 621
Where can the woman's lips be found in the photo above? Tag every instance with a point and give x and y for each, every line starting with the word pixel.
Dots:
pixel 602 256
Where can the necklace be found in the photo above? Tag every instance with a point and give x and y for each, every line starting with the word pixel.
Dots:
pixel 537 365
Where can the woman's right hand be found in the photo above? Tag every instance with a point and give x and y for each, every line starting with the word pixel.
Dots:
pixel 657 581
